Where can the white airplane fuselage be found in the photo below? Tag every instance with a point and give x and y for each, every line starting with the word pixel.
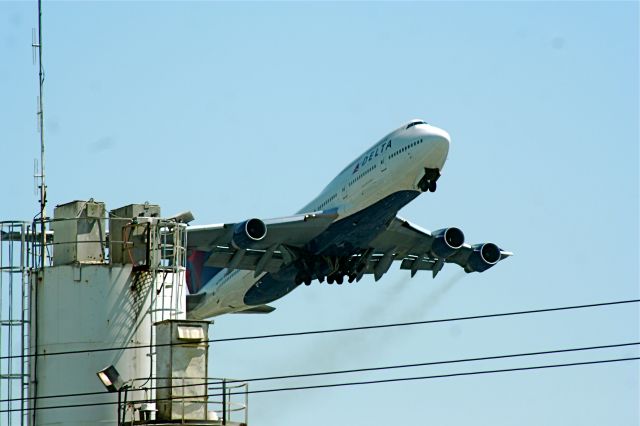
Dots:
pixel 372 188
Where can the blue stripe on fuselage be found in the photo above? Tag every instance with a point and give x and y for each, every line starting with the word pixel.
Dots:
pixel 342 238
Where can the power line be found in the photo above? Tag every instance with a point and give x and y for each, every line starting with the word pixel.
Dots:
pixel 404 324
pixel 438 376
pixel 430 363
pixel 343 384
pixel 336 330
pixel 335 372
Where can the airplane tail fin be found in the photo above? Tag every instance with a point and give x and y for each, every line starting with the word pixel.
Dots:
pixel 198 274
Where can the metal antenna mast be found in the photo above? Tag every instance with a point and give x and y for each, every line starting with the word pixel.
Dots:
pixel 41 175
pixel 43 204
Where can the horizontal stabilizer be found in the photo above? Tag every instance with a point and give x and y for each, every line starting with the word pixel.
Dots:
pixel 260 309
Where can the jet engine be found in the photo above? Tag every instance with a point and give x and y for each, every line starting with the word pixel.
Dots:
pixel 446 242
pixel 247 233
pixel 483 257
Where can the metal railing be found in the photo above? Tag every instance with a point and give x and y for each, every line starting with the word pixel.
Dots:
pixel 228 403
pixel 150 243
pixel 228 406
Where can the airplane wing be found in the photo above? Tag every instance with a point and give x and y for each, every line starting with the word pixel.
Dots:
pixel 265 246
pixel 421 250
pixel 261 246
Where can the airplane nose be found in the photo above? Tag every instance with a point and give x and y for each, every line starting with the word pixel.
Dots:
pixel 436 148
pixel 439 141
pixel 440 138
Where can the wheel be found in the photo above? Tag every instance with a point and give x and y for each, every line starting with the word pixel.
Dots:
pixel 329 279
pixel 307 280
pixel 433 186
pixel 339 279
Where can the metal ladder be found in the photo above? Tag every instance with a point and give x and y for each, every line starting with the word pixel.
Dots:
pixel 14 323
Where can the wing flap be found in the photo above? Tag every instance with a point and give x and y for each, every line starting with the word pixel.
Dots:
pixel 414 247
pixel 222 257
pixel 417 264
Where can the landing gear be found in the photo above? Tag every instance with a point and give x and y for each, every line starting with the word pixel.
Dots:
pixel 428 181
pixel 303 278
pixel 333 269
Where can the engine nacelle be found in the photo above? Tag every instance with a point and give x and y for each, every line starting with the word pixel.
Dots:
pixel 446 242
pixel 484 256
pixel 247 233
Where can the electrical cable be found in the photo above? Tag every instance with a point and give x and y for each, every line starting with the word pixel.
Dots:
pixel 343 384
pixel 336 330
pixel 335 372
pixel 438 376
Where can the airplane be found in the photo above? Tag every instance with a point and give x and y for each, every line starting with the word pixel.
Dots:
pixel 350 230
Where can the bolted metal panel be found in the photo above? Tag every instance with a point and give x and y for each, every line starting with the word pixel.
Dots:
pixel 183 361
pixel 127 242
pixel 79 233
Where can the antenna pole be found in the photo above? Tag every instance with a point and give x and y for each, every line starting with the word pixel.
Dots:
pixel 43 234
pixel 43 187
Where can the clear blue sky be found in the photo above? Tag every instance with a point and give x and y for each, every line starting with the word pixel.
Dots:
pixel 237 110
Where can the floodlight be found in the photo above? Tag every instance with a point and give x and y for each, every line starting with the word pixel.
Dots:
pixel 110 379
pixel 184 217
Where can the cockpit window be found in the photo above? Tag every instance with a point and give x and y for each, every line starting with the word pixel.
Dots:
pixel 415 123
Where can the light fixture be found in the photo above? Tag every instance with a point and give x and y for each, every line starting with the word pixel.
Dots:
pixel 184 217
pixel 111 379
